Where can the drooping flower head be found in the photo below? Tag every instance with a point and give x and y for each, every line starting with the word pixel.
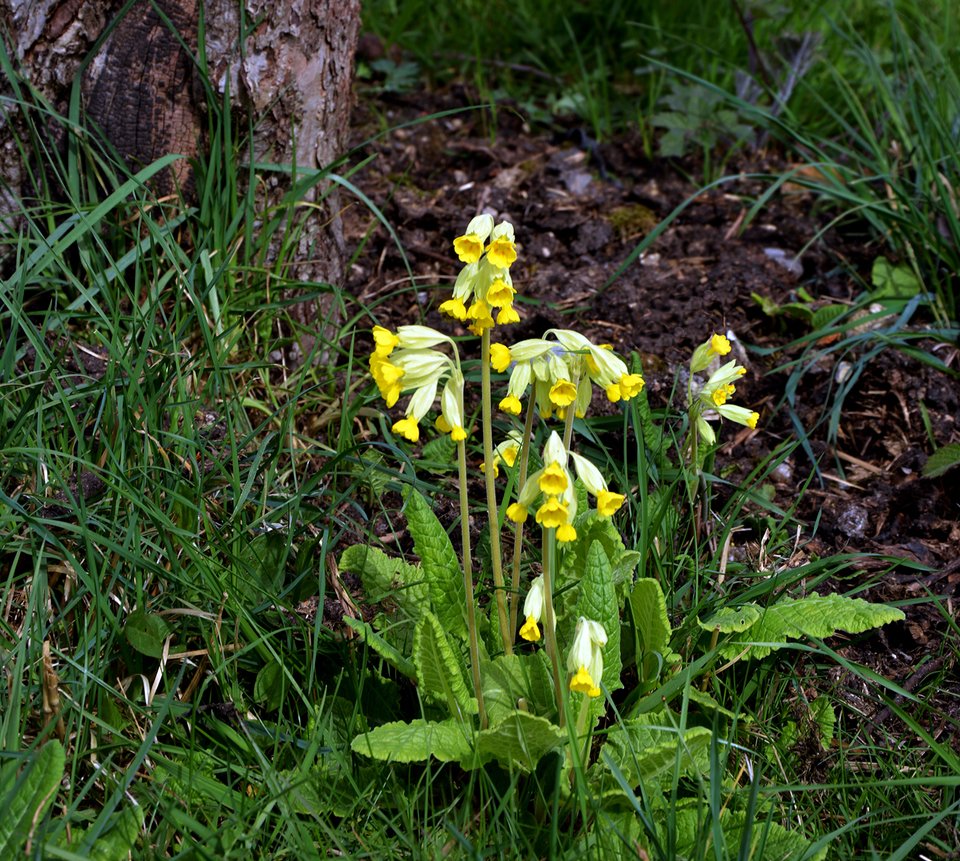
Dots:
pixel 713 396
pixel 533 610
pixel 585 658
pixel 408 361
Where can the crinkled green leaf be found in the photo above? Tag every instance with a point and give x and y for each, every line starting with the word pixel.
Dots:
pixel 598 601
pixel 813 616
pixel 778 843
pixel 652 625
pixel 328 786
pixel 508 679
pixel 732 620
pixel 519 741
pixel 591 527
pixel 440 670
pixel 116 841
pixel 146 632
pixel 944 458
pixel 270 685
pixel 416 741
pixel 894 282
pixel 703 699
pixel 385 650
pixel 646 748
pixel 24 798
pixel 440 564
pixel 826 314
pixel 396 586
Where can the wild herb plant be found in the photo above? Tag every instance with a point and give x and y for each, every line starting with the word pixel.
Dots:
pixel 489 695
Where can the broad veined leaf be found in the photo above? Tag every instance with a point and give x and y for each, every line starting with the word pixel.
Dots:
pixel 519 741
pixel 146 632
pixel 732 620
pixel 507 679
pixel 647 748
pixel 24 798
pixel 944 458
pixel 396 585
pixel 385 650
pixel 440 672
pixel 116 842
pixel 649 609
pixel 416 741
pixel 441 567
pixel 813 616
pixel 590 528
pixel 778 843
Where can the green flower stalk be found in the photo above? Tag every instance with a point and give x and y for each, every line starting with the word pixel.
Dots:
pixel 407 360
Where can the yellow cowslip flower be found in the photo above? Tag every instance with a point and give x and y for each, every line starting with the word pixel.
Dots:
pixel 553 513
pixel 511 404
pixel 714 394
pixel 517 513
pixel 454 308
pixel 553 479
pixel 408 428
pixel 600 364
pixel 715 345
pixel 500 357
pixel 384 340
pixel 608 503
pixel 502 250
pixel 585 658
pixel 479 313
pixel 469 247
pixel 555 484
pixel 722 393
pixel 505 451
pixel 500 293
pixel 484 283
pixel 533 610
pixel 563 393
pixel 451 406
pixel 740 415
pixel 720 345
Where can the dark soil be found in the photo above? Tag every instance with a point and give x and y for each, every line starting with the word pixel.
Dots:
pixel 580 210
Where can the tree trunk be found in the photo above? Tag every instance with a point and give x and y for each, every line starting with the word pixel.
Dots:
pixel 142 90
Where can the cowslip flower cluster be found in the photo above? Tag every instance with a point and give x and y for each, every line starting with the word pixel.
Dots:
pixel 714 394
pixel 407 361
pixel 563 366
pixel 553 485
pixel 585 658
pixel 484 284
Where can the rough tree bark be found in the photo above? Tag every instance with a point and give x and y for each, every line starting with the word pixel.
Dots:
pixel 141 88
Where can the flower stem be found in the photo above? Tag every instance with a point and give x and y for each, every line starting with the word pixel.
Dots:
pixel 549 619
pixel 468 583
pixel 506 635
pixel 518 528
